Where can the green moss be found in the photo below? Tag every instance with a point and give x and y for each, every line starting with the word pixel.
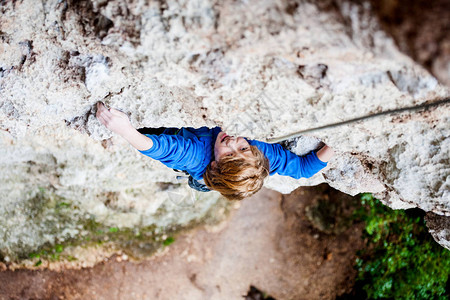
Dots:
pixel 47 253
pixel 137 242
pixel 113 229
pixel 168 241
pixel 402 261
pixel 54 214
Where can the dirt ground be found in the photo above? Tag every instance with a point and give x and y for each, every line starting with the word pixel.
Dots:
pixel 268 242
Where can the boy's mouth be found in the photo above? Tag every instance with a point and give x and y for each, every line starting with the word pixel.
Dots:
pixel 224 137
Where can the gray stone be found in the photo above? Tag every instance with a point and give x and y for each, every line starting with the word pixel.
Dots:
pixel 261 69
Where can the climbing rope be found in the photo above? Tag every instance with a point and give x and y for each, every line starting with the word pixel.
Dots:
pixel 423 106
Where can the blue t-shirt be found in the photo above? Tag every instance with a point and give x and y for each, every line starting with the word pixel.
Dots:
pixel 192 150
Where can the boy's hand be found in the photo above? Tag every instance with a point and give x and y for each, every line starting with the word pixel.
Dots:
pixel 325 154
pixel 114 120
pixel 118 122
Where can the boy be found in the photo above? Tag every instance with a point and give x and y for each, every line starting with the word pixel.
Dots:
pixel 234 166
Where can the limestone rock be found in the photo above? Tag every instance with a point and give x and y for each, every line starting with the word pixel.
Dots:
pixel 260 69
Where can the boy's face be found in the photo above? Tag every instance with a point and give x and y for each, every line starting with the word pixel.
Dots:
pixel 230 146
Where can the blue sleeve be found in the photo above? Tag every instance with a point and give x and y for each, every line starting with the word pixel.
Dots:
pixel 287 163
pixel 176 151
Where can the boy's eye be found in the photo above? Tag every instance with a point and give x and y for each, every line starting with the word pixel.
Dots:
pixel 245 148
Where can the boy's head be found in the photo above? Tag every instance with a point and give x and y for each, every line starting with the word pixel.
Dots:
pixel 238 170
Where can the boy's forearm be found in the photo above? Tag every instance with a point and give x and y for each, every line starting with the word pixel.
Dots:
pixel 137 139
pixel 325 154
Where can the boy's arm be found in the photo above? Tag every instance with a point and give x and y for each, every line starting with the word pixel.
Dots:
pixel 177 152
pixel 138 140
pixel 287 163
pixel 119 123
pixel 173 151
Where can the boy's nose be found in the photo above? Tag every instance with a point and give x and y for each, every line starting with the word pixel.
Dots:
pixel 231 139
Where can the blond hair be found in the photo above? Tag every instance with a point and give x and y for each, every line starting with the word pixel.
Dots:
pixel 237 178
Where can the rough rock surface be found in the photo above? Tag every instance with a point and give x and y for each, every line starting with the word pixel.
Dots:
pixel 260 69
pixel 439 228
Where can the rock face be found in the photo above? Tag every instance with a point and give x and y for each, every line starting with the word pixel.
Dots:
pixel 260 69
pixel 420 29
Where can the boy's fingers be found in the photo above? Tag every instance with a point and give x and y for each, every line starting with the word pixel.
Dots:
pixel 100 106
pixel 102 114
pixel 102 120
pixel 99 109
pixel 104 111
pixel 107 116
pixel 115 111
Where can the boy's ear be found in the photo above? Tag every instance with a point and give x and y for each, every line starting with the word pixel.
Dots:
pixel 213 164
